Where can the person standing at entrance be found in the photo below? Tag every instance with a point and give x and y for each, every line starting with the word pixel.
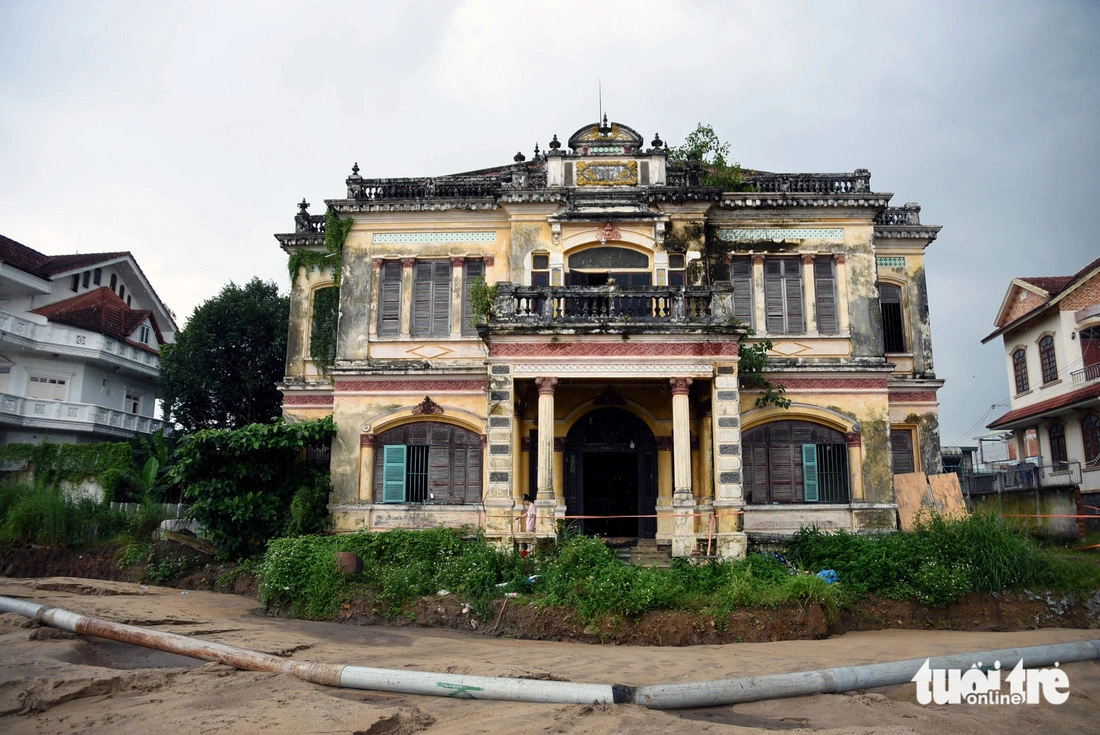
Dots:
pixel 529 507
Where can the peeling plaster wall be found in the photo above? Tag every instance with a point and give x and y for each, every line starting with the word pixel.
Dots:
pixel 865 314
pixel 356 283
pixel 921 324
pixel 878 475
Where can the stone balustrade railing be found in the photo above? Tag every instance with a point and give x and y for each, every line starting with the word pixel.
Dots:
pixel 77 340
pixel 426 188
pixel 40 409
pixel 853 183
pixel 584 305
pixel 907 215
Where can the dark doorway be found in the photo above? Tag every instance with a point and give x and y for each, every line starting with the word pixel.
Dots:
pixel 611 489
pixel 611 470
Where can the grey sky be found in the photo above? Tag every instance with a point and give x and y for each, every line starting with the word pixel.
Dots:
pixel 186 132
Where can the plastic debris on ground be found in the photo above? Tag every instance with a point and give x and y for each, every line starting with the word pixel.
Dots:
pixel 829 576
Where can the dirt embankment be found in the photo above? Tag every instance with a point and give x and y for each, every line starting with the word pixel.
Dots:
pixel 516 618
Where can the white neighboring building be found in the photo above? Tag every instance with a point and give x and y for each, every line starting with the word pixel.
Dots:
pixel 80 340
pixel 1051 332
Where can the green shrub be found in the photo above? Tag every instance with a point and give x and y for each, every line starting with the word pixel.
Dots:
pixel 242 483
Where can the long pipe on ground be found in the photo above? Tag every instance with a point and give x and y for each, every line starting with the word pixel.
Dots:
pixel 715 693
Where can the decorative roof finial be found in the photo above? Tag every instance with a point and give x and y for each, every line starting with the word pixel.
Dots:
pixel 303 206
pixel 519 157
pixel 355 169
pixel 554 144
pixel 657 142
pixel 605 129
pixel 536 150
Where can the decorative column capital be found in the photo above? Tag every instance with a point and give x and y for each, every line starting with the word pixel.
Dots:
pixel 408 262
pixel 839 257
pixel 484 440
pixel 489 260
pixel 808 259
pixel 680 386
pixel 546 385
pixel 376 264
pixel 366 440
pixel 458 261
pixel 757 259
pixel 728 258
pixel 853 439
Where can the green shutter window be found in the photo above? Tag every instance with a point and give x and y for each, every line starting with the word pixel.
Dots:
pixel 809 472
pixel 393 473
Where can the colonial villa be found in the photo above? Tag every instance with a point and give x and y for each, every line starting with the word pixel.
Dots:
pixel 603 379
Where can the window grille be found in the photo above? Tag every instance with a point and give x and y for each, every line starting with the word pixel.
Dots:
pixel 1019 368
pixel 1047 361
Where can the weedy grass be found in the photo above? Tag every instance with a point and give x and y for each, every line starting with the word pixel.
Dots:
pixel 940 561
pixel 49 516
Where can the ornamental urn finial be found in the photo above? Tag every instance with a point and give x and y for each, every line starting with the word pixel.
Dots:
pixel 519 157
pixel 657 142
pixel 554 144
pixel 355 169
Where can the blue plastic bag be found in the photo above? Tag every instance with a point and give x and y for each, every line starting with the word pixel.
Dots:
pixel 829 576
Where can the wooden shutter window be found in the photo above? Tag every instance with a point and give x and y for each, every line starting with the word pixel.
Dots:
pixel 473 270
pixel 431 316
pixel 783 296
pixel 393 473
pixel 741 280
pixel 901 447
pixel 809 473
pixel 389 310
pixel 825 286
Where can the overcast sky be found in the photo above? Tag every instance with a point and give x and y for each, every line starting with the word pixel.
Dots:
pixel 186 132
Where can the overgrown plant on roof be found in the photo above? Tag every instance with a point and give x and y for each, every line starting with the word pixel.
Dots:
pixel 703 146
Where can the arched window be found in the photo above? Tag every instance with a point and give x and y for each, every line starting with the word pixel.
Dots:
pixel 795 462
pixel 427 462
pixel 1090 429
pixel 1019 367
pixel 1058 455
pixel 1047 359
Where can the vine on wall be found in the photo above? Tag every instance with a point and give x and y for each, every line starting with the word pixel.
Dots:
pixel 322 333
pixel 336 234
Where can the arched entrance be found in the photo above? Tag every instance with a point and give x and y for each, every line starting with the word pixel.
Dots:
pixel 611 470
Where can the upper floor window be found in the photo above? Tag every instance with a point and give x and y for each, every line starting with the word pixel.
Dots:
pixel 597 266
pixel 1019 367
pixel 741 280
pixel 1047 360
pixel 676 266
pixel 1090 431
pixel 825 294
pixel 45 387
pixel 431 314
pixel 75 285
pixel 133 401
pixel 97 276
pixel 322 328
pixel 540 269
pixel 122 292
pixel 783 296
pixel 472 270
pixel 1090 350
pixel 389 298
pixel 114 281
pixel 84 278
pixel 893 322
pixel 143 335
pixel 1059 457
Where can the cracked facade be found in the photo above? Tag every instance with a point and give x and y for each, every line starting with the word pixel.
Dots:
pixel 602 380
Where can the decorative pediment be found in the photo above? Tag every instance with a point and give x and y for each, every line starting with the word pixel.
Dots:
pixel 427 406
pixel 615 137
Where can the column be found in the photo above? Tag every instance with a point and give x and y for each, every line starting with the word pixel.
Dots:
pixel 375 303
pixel 406 295
pixel 683 504
pixel 490 273
pixel 500 463
pixel 760 318
pixel 458 291
pixel 809 292
pixel 544 501
pixel 854 440
pixel 366 468
pixel 518 470
pixel 704 500
pixel 1021 445
pixel 842 294
pixel 729 498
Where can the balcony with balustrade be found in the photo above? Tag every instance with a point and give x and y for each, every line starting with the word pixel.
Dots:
pixel 68 416
pixel 76 343
pixel 612 309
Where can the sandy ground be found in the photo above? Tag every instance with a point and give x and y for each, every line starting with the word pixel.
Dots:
pixel 56 683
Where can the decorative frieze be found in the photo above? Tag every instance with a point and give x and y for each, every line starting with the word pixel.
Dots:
pixel 890 262
pixel 618 368
pixel 400 238
pixel 735 234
